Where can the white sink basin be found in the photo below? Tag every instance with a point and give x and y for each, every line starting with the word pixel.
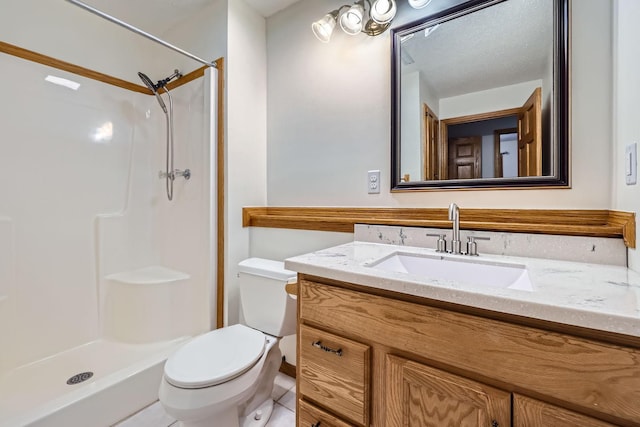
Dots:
pixel 458 269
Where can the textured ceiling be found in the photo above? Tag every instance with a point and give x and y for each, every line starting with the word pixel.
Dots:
pixel 508 43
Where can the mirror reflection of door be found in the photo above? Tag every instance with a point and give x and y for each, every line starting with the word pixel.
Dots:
pixel 530 136
pixel 525 157
pixel 465 157
pixel 430 146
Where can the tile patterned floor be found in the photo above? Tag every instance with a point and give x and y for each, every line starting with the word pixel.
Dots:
pixel 284 411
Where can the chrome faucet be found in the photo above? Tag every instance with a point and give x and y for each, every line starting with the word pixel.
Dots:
pixel 454 216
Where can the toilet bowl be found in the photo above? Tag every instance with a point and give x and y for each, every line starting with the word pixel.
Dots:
pixel 225 377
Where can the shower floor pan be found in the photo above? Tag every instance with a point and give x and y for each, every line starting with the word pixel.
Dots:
pixel 125 378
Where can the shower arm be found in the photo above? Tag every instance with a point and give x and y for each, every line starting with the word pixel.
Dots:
pixel 139 31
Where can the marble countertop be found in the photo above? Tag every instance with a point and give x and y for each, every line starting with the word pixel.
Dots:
pixel 600 297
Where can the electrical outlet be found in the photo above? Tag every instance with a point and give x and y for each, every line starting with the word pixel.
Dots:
pixel 373 182
pixel 631 164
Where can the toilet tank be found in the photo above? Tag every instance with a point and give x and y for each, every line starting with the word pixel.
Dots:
pixel 266 306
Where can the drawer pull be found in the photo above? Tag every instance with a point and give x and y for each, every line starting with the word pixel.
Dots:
pixel 318 344
pixel 494 423
pixel 316 424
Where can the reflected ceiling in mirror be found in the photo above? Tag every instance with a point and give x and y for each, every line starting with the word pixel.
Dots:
pixel 480 97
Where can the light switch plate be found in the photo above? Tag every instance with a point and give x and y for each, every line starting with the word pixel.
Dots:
pixel 631 164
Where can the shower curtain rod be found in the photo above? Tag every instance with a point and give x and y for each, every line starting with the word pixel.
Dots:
pixel 139 31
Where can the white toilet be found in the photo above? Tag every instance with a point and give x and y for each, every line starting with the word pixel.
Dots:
pixel 225 377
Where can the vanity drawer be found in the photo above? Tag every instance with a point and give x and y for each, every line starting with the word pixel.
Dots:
pixel 310 415
pixel 334 372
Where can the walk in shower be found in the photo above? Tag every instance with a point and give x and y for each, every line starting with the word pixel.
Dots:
pixel 101 276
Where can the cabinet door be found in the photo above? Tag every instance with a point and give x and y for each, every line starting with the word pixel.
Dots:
pixel 422 396
pixel 533 413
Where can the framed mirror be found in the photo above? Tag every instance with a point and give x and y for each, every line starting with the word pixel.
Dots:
pixel 480 97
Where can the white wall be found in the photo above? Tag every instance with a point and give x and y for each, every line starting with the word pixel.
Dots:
pixel 625 108
pixel 411 129
pixel 496 99
pixel 246 141
pixel 203 34
pixel 415 93
pixel 328 104
pixel 320 145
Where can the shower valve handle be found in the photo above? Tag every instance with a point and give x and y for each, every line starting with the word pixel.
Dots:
pixel 186 174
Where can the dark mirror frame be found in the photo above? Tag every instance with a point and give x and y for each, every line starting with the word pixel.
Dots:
pixel 560 97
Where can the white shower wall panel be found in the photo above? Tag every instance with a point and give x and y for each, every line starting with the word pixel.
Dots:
pixel 150 229
pixel 6 286
pixel 184 242
pixel 59 176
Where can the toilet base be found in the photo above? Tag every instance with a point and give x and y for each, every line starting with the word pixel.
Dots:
pixel 259 417
pixel 231 404
pixel 228 418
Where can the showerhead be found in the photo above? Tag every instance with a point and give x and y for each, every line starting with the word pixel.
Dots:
pixel 153 88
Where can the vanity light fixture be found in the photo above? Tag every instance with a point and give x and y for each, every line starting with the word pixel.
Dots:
pixel 419 4
pixel 351 21
pixel 383 11
pixel 371 17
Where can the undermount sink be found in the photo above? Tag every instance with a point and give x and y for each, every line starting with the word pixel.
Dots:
pixel 466 270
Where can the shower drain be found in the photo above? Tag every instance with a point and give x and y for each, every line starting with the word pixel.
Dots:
pixel 78 378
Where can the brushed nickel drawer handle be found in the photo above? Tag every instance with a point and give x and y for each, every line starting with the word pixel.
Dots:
pixel 316 424
pixel 318 344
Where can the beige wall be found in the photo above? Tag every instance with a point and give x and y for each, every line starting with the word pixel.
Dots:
pixel 626 88
pixel 328 123
pixel 329 111
pixel 246 157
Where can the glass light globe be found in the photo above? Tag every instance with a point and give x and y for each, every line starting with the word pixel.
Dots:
pixel 323 28
pixel 351 21
pixel 419 4
pixel 383 11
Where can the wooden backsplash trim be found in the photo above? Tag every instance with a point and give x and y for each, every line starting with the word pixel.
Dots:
pixel 597 223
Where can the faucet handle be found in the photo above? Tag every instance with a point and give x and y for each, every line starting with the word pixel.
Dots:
pixel 442 242
pixel 472 246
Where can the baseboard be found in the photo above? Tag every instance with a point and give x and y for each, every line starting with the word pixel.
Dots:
pixel 287 368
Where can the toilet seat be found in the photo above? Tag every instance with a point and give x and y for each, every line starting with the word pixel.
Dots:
pixel 215 357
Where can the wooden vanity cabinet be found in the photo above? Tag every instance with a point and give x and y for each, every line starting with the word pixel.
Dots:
pixel 376 358
pixel 420 395
pixel 334 372
pixel 532 413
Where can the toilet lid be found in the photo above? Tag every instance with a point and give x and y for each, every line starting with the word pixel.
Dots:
pixel 215 357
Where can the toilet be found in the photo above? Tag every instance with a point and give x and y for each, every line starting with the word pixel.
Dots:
pixel 225 377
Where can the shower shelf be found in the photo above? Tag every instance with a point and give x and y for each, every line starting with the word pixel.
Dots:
pixel 146 305
pixel 148 276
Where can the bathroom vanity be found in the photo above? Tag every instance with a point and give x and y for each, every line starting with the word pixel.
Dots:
pixel 387 348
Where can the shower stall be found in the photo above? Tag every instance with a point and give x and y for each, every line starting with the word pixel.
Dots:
pixel 101 275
